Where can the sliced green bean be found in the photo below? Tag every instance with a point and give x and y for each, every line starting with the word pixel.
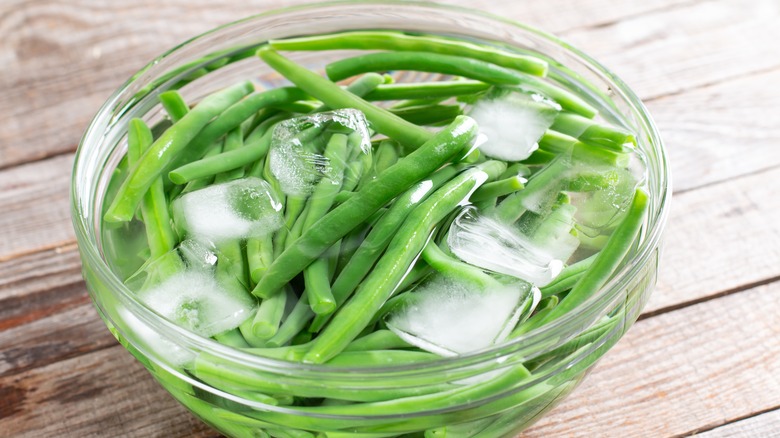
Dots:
pixel 317 287
pixel 460 66
pixel 164 149
pixel 389 40
pixel 269 315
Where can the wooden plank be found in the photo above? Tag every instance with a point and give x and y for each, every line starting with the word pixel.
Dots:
pixel 678 372
pixel 34 202
pixel 720 132
pixel 763 425
pixel 671 51
pixel 720 238
pixel 106 393
pixel 663 378
pixel 61 61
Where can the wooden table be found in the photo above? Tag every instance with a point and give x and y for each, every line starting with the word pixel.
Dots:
pixel 705 356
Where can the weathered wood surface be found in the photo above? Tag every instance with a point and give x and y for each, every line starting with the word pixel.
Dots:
pixel 705 357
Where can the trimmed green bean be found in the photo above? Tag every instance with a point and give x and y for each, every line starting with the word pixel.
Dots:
pixel 164 149
pixel 269 315
pixel 499 188
pixel 335 97
pixel 389 40
pixel 460 66
pixel 608 259
pixel 410 240
pixel 428 114
pixel 174 105
pixel 426 90
pixel 442 147
pixel 380 236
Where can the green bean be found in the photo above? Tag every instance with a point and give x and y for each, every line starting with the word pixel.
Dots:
pixel 426 90
pixel 589 131
pixel 378 340
pixel 215 150
pixel 386 155
pixel 174 105
pixel 388 40
pixel 443 263
pixel 608 259
pixel 254 149
pixel 139 137
pixel 234 116
pixel 294 323
pixel 410 240
pixel 456 65
pixel 510 208
pixel 232 338
pixel 545 306
pixel 499 188
pixel 269 315
pixel 335 97
pixel 328 187
pixel 154 206
pixel 234 140
pixel 380 236
pixel 428 114
pixel 430 402
pixel 442 147
pixel 317 287
pixel 165 148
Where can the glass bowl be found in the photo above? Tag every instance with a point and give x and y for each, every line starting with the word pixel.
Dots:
pixel 495 396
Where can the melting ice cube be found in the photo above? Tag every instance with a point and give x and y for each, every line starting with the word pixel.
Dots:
pixel 513 124
pixel 602 208
pixel 237 209
pixel 195 300
pixel 295 157
pixel 449 316
pixel 490 244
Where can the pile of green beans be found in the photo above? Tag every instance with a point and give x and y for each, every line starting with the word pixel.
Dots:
pixel 355 248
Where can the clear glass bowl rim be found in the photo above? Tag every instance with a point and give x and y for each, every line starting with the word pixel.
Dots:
pixel 656 221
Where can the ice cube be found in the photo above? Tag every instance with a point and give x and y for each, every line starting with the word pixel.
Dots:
pixel 601 208
pixel 295 157
pixel 513 124
pixel 238 209
pixel 195 300
pixel 450 316
pixel 490 244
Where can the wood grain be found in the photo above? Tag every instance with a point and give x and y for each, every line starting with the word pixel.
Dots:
pixel 704 365
pixel 762 425
pixel 671 51
pixel 63 60
pixel 106 393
